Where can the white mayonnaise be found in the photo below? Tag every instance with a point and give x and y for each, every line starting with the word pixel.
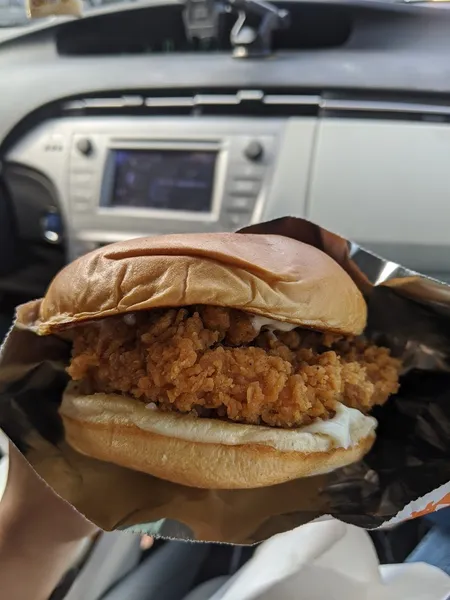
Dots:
pixel 345 429
pixel 271 324
pixel 129 319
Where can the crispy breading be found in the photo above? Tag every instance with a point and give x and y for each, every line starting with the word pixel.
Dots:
pixel 211 362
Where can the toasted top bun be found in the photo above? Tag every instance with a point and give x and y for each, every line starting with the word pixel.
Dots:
pixel 269 275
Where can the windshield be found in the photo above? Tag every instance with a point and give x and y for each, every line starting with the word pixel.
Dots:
pixel 13 13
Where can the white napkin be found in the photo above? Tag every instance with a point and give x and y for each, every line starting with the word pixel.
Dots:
pixel 329 560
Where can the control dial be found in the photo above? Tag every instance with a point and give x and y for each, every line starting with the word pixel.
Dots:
pixel 85 146
pixel 254 151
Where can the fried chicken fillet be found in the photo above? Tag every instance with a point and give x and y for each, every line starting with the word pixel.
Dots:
pixel 212 362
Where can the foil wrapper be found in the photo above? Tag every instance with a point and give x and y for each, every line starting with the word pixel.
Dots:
pixel 406 474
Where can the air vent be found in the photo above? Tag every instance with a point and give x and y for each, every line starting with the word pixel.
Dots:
pixel 254 103
pixel 404 108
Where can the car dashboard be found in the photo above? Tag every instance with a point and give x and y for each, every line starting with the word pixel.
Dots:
pixel 120 125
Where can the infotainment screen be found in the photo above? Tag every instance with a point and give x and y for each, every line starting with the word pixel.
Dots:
pixel 163 179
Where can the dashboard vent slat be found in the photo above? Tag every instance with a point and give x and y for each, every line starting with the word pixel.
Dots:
pixel 241 102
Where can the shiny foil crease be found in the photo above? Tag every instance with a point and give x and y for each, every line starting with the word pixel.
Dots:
pixel 408 312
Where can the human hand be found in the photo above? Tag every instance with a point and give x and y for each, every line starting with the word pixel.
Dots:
pixel 39 534
pixel 147 542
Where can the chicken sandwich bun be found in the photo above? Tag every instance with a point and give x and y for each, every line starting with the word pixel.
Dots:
pixel 217 360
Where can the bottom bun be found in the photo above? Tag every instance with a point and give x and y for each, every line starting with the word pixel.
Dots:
pixel 207 453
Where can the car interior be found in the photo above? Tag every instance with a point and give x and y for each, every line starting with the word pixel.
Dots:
pixel 333 110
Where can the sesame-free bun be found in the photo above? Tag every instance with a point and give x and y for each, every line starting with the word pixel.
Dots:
pixel 268 275
pixel 209 453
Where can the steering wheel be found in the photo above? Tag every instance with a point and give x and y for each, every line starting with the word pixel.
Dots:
pixel 9 249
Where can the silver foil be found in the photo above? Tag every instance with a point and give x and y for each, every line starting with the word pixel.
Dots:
pixel 409 461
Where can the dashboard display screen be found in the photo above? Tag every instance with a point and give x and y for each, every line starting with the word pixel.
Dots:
pixel 164 179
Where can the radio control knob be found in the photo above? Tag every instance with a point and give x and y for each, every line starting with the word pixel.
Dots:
pixel 85 146
pixel 254 151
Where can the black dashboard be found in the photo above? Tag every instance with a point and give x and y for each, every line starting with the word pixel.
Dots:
pixel 83 81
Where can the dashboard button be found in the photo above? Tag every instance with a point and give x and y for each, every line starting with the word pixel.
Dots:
pixel 52 227
pixel 254 151
pixel 238 220
pixel 85 146
pixel 80 203
pixel 81 178
pixel 82 193
pixel 247 170
pixel 245 187
pixel 240 204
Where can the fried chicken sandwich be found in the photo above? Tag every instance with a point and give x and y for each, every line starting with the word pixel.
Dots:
pixel 217 360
